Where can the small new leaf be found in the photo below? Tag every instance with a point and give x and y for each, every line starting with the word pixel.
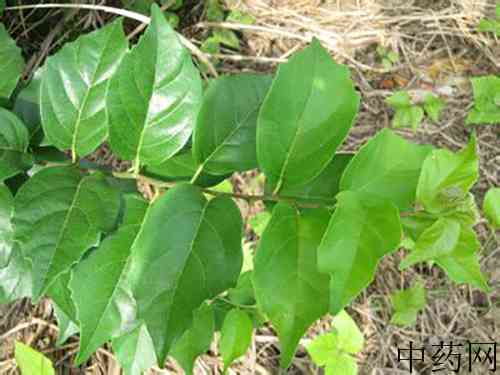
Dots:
pixel 433 106
pixel 491 207
pixel 196 340
pixel 135 351
pixel 407 303
pixel 31 362
pixel 447 177
pixel 335 350
pixel 486 109
pixel 236 336
pixel 406 113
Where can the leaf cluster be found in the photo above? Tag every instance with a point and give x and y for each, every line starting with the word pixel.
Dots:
pixel 159 277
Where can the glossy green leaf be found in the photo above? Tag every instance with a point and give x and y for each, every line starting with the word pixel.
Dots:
pixel 388 166
pixel 447 177
pixel 16 278
pixel 334 350
pixel 201 258
pixel 58 216
pixel 27 107
pixel 103 298
pixel 67 327
pixel 306 115
pixel 14 141
pixel 224 137
pixel 196 340
pixel 182 167
pixel 486 110
pixel 491 207
pixel 433 106
pixel 362 230
pixel 11 63
pixel 154 97
pixel 227 37
pixel 289 288
pixel 235 336
pixel 407 304
pixel 135 351
pixel 6 229
pixel 60 294
pixel 323 188
pixel 74 87
pixel 31 362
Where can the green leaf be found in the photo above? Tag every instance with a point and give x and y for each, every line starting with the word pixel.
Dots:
pixel 323 188
pixel 31 362
pixel 75 84
pixel 224 137
pixel 288 286
pixel 485 110
pixel 388 166
pixel 491 207
pixel 14 142
pixel 215 12
pixel 182 167
pixel 154 97
pixel 406 113
pixel 408 117
pixel 67 327
pixel 334 350
pixel 135 351
pixel 201 259
pixel 11 63
pixel 407 304
pixel 438 240
pixel 235 336
pixel 196 340
pixel 453 248
pixel 259 222
pixel 227 38
pixel 58 216
pixel 399 100
pixel 6 229
pixel 16 278
pixel 211 45
pixel 237 16
pixel 103 299
pixel 60 294
pixel 433 106
pixel 310 108
pixel 27 108
pixel 2 6
pixel 447 177
pixel 462 265
pixel 362 230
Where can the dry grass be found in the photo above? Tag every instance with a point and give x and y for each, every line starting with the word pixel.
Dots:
pixel 439 49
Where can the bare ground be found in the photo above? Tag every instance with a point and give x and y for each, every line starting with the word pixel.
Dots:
pixel 439 49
